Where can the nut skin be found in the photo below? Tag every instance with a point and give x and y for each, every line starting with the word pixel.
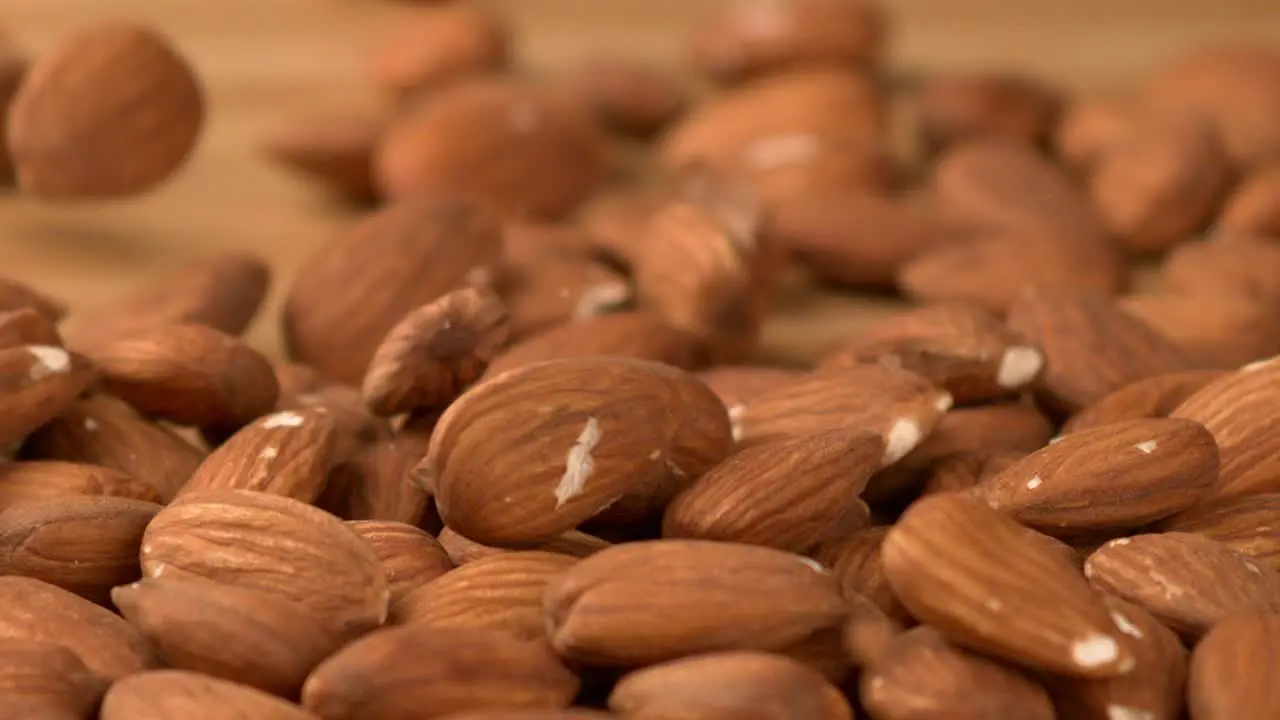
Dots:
pixel 435 46
pixel 1232 669
pixel 159 694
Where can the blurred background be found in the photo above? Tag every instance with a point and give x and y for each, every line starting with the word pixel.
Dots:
pixel 265 61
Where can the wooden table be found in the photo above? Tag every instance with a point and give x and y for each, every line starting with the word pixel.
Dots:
pixel 265 60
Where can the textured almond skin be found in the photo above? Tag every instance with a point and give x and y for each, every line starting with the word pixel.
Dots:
pixel 84 544
pixel 563 289
pixel 1186 581
pixel 920 674
pixel 636 334
pixel 462 550
pixel 1154 397
pixel 1250 525
pixel 161 694
pixel 1254 206
pixel 376 484
pixel 1233 669
pixel 502 592
pixel 857 565
pixel 790 494
pixel 272 544
pixel 1009 429
pixel 1236 408
pixel 1112 477
pixel 226 632
pixel 516 147
pixel 738 384
pixel 962 471
pixel 956 108
pixel 38 481
pixel 27 326
pixel 626 427
pixel 37 611
pixel 37 383
pixel 1091 347
pixel 437 45
pixel 190 375
pixel 739 683
pixel 48 674
pixel 682 597
pixel 102 430
pixel 972 574
pixel 333 150
pixel 408 254
pixel 111 111
pixel 1244 265
pixel 436 672
pixel 1217 331
pixel 410 557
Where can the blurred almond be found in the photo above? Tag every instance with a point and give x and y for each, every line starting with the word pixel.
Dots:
pixel 1089 127
pixel 557 290
pixel 436 45
pixel 37 383
pixel 333 150
pixel 41 480
pixel 572 543
pixel 16 296
pixel 13 68
pixel 635 334
pixel 1214 330
pixel 629 96
pixel 48 675
pixel 27 326
pixel 160 694
pixel 1154 397
pixel 526 242
pixel 1012 429
pixel 1249 525
pixel 110 111
pixel 1253 208
pixel 739 384
pixel 800 164
pixel 955 108
pixel 1233 669
pixel 1226 265
pixel 410 557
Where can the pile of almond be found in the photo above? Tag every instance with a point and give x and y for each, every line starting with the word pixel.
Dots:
pixel 523 464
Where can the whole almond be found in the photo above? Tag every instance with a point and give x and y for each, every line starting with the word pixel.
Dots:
pixel 1250 525
pixel 972 574
pixel 921 674
pixel 732 684
pixel 501 592
pixel 1188 582
pixel 436 672
pixel 790 494
pixel 1222 331
pixel 1154 397
pixel 1254 206
pixel 1011 429
pixel 27 326
pixel 272 544
pixel 1232 669
pixel 517 147
pixel 161 694
pixel 557 290
pixel 16 296
pixel 857 564
pixel 1225 265
pixel 1090 127
pixel 1091 347
pixel 37 611
pixel 956 108
pixel 463 550
pixel 41 480
pixel 110 111
pixel 1113 477
pixel 48 675
pixel 629 96
pixel 377 483
pixel 37 383
pixel 356 429
pixel 646 602
pixel 436 45
pixel 635 334
pixel 790 165
pixel 334 150
pixel 190 375
pixel 410 557
pixel 226 632
pixel 407 254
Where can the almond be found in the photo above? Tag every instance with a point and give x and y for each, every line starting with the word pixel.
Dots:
pixel 571 714
pixel 406 255
pixel 37 611
pixel 921 674
pixel 110 111
pixel 971 573
pixel 37 383
pixel 1213 330
pixel 736 385
pixel 1089 127
pixel 355 427
pixel 222 291
pixel 16 296
pixel 1188 582
pixel 573 543
pixel 1113 477
pixel 437 672
pixel 47 674
pixel 729 684
pixel 1011 429
pixel 377 484
pixel 962 471
pixel 27 326
pixel 271 544
pixel 433 353
pixel 334 150
pixel 960 348
pixel 748 39
pixel 629 96
pixel 13 68
pixel 527 242
pixel 161 694
pixel 786 166
pixel 1154 397
pixel 623 426
pixel 646 602
pixel 790 494
pixel 1250 525
pixel 857 565
pixel 42 480
pixel 556 290
pixel 1091 347
pixel 190 375
pixel 868 632
pixel 410 558
pixel 541 156
pixel 1254 206
pixel 1233 668
pixel 437 45
pixel 635 334
pixel 956 108
pixel 1226 265
pixel 500 592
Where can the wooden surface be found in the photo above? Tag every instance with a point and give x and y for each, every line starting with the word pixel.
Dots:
pixel 265 60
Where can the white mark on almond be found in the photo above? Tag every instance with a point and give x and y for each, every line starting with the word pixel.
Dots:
pixel 814 565
pixel 579 464
pixel 1119 542
pixel 735 421
pixel 944 402
pixel 49 360
pixel 90 425
pixel 1055 440
pixel 1125 625
pixel 600 299
pixel 269 453
pixel 1148 447
pixel 903 437
pixel 782 150
pixel 1170 590
pixel 993 604
pixel 158 570
pixel 1034 482
pixel 1252 568
pixel 1095 650
pixel 655 454
pixel 1018 366
pixel 283 419
pixel 1259 364
pixel 1124 712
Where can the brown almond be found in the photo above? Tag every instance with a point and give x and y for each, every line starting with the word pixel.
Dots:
pixel 557 290
pixel 37 383
pixel 161 694
pixel 1250 525
pixel 410 558
pixel 244 636
pixel 356 429
pixel 635 334
pixel 48 675
pixel 791 494
pixel 573 543
pixel 37 481
pixel 272 544
pixel 407 254
pixel 1233 669
pixel 571 714
pixel 222 291
pixel 1154 397
pixel 682 597
pixel 37 611
pixel 1223 331
pixel 971 573
pixel 1091 347
pixel 1113 477
pixel 732 684
pixel 16 296
pixel 962 471
pixel 626 95
pixel 1253 208
pixel 377 484
pixel 526 242
pixel 921 674
pixel 857 565
pixel 334 150
pixel 435 352
pixel 1188 582
pixel 13 68
pixel 436 671
pixel 1246 266
pixel 437 45
pixel 540 155
pixel 790 165
pixel 1011 429
pixel 740 384
pixel 110 111
pixel 956 108
pixel 868 631
pixel 1089 127
pixel 27 326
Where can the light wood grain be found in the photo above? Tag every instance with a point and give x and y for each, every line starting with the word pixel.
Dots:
pixel 265 60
